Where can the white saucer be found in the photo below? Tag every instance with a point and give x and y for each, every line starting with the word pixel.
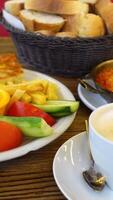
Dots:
pixel 91 100
pixel 70 161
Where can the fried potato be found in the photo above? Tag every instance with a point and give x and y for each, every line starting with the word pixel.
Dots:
pixel 16 96
pixel 28 86
pixel 36 91
pixel 38 98
pixel 26 98
pixel 52 92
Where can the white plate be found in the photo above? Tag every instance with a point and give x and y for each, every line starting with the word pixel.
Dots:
pixel 59 128
pixel 70 161
pixel 91 100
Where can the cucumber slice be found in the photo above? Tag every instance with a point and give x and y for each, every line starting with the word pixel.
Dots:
pixel 30 126
pixel 61 114
pixel 59 106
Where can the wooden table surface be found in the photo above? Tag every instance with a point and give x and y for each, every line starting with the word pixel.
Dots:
pixel 31 177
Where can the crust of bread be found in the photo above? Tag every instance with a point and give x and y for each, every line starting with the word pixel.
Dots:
pixel 105 9
pixel 34 23
pixel 14 6
pixel 90 25
pixel 70 24
pixel 28 23
pixel 68 7
pixel 45 32
pixel 66 34
pixel 89 1
pixel 52 27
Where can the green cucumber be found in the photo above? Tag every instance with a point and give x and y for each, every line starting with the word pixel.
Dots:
pixel 61 114
pixel 30 126
pixel 59 106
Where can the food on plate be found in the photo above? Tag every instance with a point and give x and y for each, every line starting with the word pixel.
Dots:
pixel 30 126
pixel 10 68
pixel 22 109
pixel 57 6
pixel 28 107
pixel 14 6
pixel 10 136
pixel 35 91
pixel 105 9
pixel 104 78
pixel 59 108
pixel 4 100
pixel 34 21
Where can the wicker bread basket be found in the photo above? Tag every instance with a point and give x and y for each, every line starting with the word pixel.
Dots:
pixel 60 56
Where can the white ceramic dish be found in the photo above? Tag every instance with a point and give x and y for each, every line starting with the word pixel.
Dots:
pixel 70 161
pixel 91 100
pixel 59 128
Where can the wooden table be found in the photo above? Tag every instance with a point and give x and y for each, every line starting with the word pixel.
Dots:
pixel 30 177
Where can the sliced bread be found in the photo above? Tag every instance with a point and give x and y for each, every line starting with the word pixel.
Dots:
pixel 89 1
pixel 90 25
pixel 67 7
pixel 14 6
pixel 66 34
pixel 105 9
pixel 34 21
pixel 45 32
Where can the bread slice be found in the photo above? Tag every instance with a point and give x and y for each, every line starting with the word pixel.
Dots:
pixel 14 6
pixel 89 1
pixel 35 21
pixel 10 69
pixel 70 24
pixel 90 25
pixel 66 34
pixel 105 9
pixel 45 32
pixel 67 7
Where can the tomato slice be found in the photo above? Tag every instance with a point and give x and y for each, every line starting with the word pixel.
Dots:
pixel 10 136
pixel 22 109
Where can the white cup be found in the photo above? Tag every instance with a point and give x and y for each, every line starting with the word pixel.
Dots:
pixel 101 140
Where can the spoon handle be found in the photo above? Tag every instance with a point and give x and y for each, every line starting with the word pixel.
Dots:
pixel 87 86
pixel 87 132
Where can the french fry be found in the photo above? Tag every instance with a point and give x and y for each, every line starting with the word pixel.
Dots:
pixel 38 98
pixel 29 86
pixel 26 98
pixel 16 96
pixel 52 92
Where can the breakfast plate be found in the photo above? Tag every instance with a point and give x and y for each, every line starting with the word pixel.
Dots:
pixel 59 128
pixel 72 158
pixel 90 99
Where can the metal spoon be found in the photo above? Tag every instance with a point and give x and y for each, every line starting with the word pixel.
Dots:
pixel 94 178
pixel 87 86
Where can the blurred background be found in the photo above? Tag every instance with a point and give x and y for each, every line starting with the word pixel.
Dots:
pixel 3 32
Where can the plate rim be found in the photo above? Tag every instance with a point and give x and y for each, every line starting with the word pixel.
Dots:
pixel 23 150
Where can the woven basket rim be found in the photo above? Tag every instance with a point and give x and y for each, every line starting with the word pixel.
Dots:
pixel 54 38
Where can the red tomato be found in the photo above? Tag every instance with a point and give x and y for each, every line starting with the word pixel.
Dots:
pixel 10 136
pixel 22 109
